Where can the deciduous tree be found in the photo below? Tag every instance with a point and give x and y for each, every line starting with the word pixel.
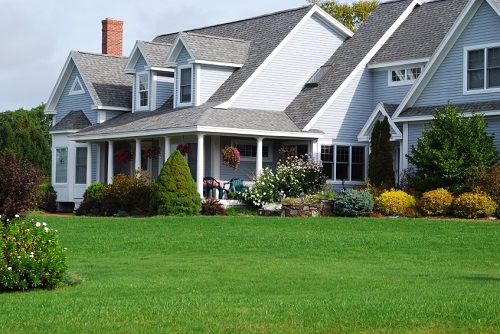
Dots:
pixel 349 15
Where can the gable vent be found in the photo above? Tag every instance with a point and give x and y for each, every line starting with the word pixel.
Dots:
pixel 317 76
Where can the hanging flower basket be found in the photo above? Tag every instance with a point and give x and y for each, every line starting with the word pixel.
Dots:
pixel 124 156
pixel 230 157
pixel 151 152
pixel 184 149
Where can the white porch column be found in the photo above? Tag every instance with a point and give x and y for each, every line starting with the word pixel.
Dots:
pixel 404 149
pixel 89 164
pixel 71 169
pixel 258 159
pixel 137 155
pixel 316 150
pixel 215 157
pixel 200 163
pixel 111 155
pixel 166 149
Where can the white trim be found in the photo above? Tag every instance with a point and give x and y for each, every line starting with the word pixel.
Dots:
pixel 137 92
pixel 73 90
pixel 439 55
pixel 178 86
pixel 58 89
pixel 405 80
pixel 314 10
pixel 134 57
pixel 159 69
pixel 335 144
pixel 406 149
pixel 250 142
pixel 398 63
pixel 207 129
pixel 363 134
pixel 362 65
pixel 109 108
pixel 215 63
pixel 431 117
pixel 197 84
pixel 177 45
pixel 57 132
pixel 465 70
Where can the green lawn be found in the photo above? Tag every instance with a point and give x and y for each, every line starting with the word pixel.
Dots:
pixel 268 275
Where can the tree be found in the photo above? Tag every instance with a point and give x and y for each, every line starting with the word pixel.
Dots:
pixel 449 149
pixel 350 16
pixel 26 134
pixel 175 191
pixel 380 165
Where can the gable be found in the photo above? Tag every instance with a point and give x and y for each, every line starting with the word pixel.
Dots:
pixel 381 110
pixel 447 83
pixel 77 87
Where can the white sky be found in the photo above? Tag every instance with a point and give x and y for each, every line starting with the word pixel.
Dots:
pixel 37 35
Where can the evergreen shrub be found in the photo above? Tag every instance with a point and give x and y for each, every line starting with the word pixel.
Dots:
pixel 435 202
pixel 175 191
pixel 30 256
pixel 353 203
pixel 474 205
pixel 94 190
pixel 393 202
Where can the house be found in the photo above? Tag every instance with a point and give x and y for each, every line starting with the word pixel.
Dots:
pixel 295 78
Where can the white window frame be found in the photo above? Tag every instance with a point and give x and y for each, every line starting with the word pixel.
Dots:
pixel 178 86
pixel 485 89
pixel 269 146
pixel 74 90
pixel 350 162
pixel 139 91
pixel 81 165
pixel 405 69
pixel 59 163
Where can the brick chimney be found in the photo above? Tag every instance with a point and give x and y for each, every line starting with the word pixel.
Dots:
pixel 112 36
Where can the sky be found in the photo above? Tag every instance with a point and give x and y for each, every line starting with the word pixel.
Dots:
pixel 37 36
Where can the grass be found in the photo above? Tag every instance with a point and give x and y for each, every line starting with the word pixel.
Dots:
pixel 267 275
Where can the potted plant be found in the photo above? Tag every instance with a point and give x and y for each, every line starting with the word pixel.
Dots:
pixel 124 156
pixel 151 152
pixel 230 157
pixel 184 149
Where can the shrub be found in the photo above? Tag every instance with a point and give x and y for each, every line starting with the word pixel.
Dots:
pixel 175 191
pixel 380 163
pixel 133 192
pixel 297 174
pixel 30 256
pixel 47 197
pixel 90 206
pixel 94 190
pixel 353 203
pixel 473 205
pixel 19 182
pixel 393 202
pixel 264 190
pixel 487 179
pixel 212 207
pixel 435 202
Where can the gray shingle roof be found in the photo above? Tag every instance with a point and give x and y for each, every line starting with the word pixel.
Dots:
pixel 155 53
pixel 303 108
pixel 204 115
pixel 478 107
pixel 215 48
pixel 105 79
pixel 422 32
pixel 390 108
pixel 74 120
pixel 264 32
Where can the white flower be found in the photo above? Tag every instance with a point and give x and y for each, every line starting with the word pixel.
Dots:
pixel 9 268
pixel 32 254
pixel 27 230
pixel 37 224
pixel 19 256
pixel 44 224
pixel 46 229
pixel 17 216
pixel 50 241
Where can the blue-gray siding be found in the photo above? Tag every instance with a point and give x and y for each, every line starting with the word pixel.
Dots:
pixel 284 77
pixel 139 67
pixel 447 82
pixel 69 103
pixel 164 90
pixel 382 92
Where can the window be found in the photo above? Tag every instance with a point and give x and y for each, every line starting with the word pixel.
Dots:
pixel 142 91
pixel 76 88
pixel 248 151
pixel 483 68
pixel 61 165
pixel 344 162
pixel 404 76
pixel 185 85
pixel 81 165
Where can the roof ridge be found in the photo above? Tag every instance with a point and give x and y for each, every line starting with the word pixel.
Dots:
pixel 236 21
pixel 213 36
pixel 98 54
pixel 155 43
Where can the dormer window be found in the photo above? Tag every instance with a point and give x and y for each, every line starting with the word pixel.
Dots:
pixel 76 88
pixel 404 76
pixel 185 85
pixel 142 102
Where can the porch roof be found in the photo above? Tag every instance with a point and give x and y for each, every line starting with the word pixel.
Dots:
pixel 166 121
